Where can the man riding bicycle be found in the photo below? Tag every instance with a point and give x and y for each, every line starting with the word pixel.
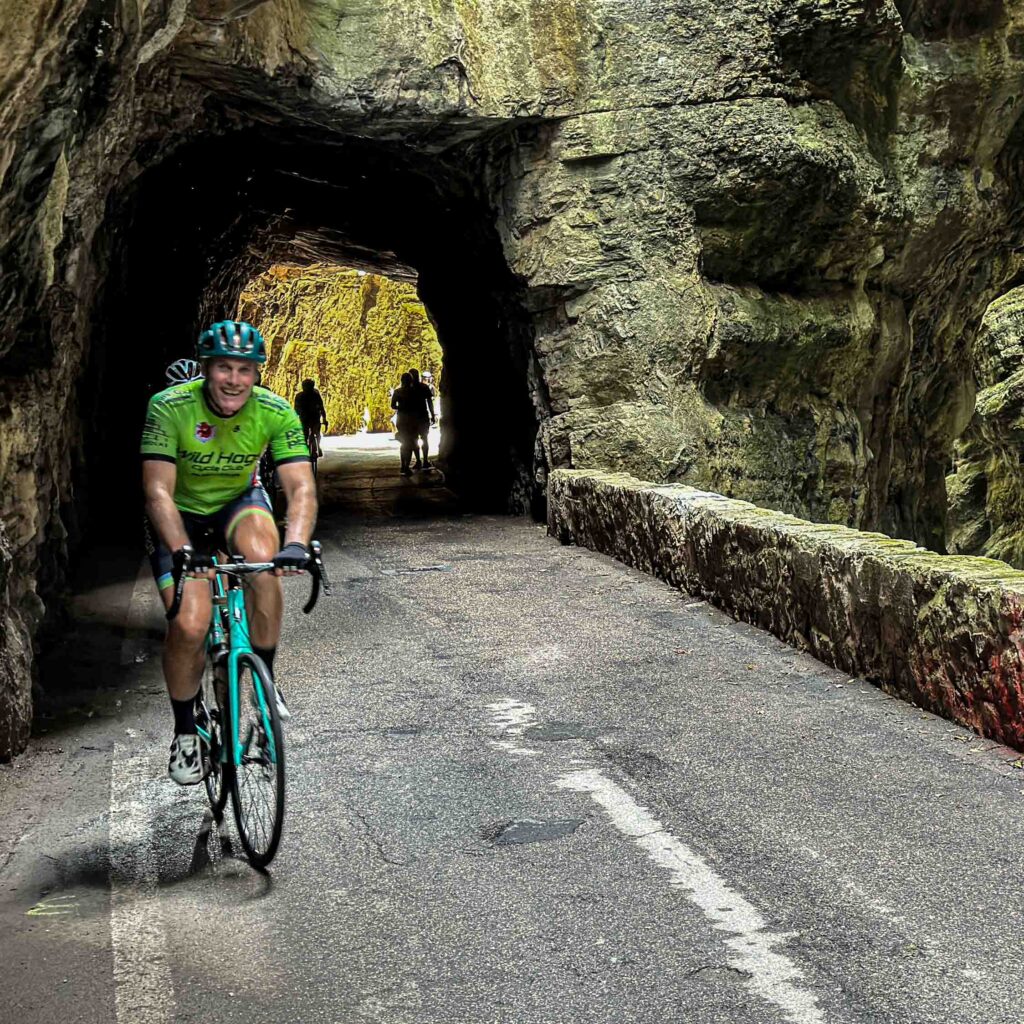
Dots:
pixel 310 406
pixel 199 446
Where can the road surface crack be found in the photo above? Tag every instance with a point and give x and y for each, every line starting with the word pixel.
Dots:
pixel 375 842
pixel 718 967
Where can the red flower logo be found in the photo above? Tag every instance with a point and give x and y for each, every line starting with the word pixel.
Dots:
pixel 204 432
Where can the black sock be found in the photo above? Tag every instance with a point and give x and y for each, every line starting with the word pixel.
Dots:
pixel 184 716
pixel 267 657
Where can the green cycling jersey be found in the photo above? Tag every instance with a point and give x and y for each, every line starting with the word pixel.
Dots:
pixel 216 456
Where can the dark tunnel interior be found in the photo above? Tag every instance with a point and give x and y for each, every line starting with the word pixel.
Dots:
pixel 183 240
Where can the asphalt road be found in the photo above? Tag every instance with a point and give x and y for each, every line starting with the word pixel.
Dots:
pixel 526 784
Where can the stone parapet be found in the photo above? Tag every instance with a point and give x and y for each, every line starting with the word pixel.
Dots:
pixel 941 631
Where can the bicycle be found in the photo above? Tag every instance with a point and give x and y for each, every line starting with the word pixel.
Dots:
pixel 245 752
pixel 313 445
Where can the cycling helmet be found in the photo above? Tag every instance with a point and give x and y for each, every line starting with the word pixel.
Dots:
pixel 181 371
pixel 234 339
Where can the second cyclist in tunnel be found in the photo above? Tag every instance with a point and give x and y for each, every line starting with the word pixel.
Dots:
pixel 200 444
pixel 309 404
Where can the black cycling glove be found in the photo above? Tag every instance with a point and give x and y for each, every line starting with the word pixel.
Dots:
pixel 196 561
pixel 292 556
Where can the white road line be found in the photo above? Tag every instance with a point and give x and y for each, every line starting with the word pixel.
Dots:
pixel 771 975
pixel 143 992
pixel 514 718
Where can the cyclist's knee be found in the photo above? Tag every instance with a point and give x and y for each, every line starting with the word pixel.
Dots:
pixel 189 627
pixel 256 539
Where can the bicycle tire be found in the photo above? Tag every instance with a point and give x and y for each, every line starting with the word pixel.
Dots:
pixel 263 767
pixel 218 777
pixel 210 718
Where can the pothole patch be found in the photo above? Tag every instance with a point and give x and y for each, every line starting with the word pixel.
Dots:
pixel 558 732
pixel 521 833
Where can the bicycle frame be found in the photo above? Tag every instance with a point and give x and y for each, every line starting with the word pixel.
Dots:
pixel 229 610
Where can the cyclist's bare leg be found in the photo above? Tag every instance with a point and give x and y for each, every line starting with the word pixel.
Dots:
pixel 185 646
pixel 256 538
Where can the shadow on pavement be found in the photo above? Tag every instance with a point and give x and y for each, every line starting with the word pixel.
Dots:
pixel 82 657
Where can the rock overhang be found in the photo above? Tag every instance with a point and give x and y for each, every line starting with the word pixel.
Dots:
pixel 668 197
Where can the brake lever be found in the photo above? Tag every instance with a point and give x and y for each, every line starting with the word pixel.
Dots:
pixel 321 569
pixel 179 583
pixel 319 574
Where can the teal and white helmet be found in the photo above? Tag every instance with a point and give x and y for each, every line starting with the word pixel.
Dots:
pixel 233 339
pixel 183 370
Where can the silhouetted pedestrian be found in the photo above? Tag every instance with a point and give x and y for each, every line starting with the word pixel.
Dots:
pixel 425 418
pixel 406 401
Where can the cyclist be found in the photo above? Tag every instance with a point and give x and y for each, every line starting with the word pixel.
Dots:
pixel 181 371
pixel 200 444
pixel 310 406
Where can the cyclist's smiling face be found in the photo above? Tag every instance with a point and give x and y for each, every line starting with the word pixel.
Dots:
pixel 231 382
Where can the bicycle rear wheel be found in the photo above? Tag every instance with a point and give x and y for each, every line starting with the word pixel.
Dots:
pixel 257 782
pixel 218 774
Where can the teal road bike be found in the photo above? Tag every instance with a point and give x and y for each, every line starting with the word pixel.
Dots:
pixel 241 728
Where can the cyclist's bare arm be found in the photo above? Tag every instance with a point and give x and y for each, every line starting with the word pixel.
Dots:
pixel 299 488
pixel 158 480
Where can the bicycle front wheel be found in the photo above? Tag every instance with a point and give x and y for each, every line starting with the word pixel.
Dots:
pixel 257 783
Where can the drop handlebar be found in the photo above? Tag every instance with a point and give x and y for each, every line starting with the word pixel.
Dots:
pixel 314 566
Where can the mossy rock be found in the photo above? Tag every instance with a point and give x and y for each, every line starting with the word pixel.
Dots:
pixel 354 333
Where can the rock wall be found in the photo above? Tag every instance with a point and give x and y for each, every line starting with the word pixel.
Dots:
pixel 740 246
pixel 945 633
pixel 354 333
pixel 986 489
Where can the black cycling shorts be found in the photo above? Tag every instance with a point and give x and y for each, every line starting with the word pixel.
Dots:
pixel 207 534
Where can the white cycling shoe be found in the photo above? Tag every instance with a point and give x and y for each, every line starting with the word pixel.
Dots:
pixel 185 766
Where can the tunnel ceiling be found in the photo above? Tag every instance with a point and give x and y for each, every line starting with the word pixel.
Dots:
pixel 742 246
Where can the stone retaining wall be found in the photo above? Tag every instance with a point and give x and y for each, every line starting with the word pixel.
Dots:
pixel 941 631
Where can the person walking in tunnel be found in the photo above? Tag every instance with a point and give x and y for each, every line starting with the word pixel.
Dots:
pixel 425 418
pixel 407 402
pixel 200 443
pixel 309 404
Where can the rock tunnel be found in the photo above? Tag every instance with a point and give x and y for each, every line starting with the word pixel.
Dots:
pixel 185 241
pixel 744 247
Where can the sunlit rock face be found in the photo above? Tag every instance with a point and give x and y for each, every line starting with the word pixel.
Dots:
pixel 351 332
pixel 743 246
pixel 986 491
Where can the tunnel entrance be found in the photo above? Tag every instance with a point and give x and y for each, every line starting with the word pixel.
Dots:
pixel 352 335
pixel 185 239
pixel 182 243
pixel 351 332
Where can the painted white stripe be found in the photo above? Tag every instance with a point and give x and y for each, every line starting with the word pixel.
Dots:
pixel 513 717
pixel 771 975
pixel 143 992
